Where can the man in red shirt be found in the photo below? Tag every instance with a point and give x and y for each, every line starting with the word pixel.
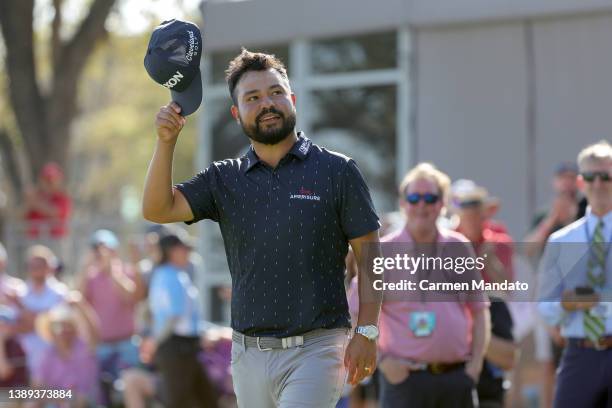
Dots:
pixel 48 206
pixel 473 205
pixel 474 208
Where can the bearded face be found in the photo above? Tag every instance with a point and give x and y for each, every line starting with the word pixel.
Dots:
pixel 264 106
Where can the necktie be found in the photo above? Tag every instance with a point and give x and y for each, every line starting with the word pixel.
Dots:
pixel 594 325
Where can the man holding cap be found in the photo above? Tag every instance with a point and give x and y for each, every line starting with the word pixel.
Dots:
pixel 287 210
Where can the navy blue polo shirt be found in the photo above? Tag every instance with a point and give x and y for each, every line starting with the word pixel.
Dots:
pixel 286 232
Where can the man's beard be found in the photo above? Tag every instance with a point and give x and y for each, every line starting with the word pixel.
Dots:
pixel 270 136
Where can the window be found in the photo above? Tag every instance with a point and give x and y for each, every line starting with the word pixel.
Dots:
pixel 360 123
pixel 355 53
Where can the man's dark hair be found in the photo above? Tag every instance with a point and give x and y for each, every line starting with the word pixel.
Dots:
pixel 251 61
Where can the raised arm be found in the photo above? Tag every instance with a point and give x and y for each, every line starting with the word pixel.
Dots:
pixel 161 203
pixel 88 316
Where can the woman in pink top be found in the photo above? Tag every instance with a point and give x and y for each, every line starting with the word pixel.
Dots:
pixel 113 288
pixel 69 363
pixel 431 351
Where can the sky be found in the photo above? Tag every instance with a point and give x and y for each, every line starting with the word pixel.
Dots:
pixel 134 17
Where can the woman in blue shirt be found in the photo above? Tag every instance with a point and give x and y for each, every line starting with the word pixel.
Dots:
pixel 173 301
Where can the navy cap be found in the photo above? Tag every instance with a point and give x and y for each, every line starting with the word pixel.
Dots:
pixel 566 167
pixel 173 60
pixel 171 240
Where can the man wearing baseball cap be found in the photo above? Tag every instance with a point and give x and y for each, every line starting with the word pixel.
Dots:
pixel 288 210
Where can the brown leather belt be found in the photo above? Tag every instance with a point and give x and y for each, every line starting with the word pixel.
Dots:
pixel 603 344
pixel 441 368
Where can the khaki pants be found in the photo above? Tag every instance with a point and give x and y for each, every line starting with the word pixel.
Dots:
pixel 311 376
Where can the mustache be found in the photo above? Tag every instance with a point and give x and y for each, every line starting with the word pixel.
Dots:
pixel 265 111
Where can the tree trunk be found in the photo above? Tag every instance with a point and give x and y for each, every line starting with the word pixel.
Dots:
pixel 25 96
pixel 10 163
pixel 44 121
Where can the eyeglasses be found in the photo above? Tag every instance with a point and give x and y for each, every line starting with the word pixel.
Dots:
pixel 429 198
pixel 590 176
pixel 469 204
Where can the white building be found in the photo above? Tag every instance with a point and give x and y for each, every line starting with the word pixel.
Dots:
pixel 498 91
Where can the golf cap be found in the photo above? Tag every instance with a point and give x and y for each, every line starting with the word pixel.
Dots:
pixel 566 167
pixel 467 194
pixel 173 60
pixel 172 240
pixel 104 237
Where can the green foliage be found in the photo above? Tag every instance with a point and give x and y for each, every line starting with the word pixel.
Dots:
pixel 114 137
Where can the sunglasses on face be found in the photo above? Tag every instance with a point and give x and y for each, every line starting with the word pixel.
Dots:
pixel 590 176
pixel 428 198
pixel 465 205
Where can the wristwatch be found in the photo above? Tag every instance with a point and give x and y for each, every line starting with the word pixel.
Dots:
pixel 370 331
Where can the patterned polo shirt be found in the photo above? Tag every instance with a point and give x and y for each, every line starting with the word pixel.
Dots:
pixel 286 233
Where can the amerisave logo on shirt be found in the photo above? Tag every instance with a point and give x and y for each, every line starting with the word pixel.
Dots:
pixel 305 194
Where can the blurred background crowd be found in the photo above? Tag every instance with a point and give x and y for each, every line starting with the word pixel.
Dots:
pixel 95 330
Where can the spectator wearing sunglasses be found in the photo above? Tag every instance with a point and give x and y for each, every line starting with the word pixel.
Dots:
pixel 567 206
pixel 574 291
pixel 474 207
pixel 431 352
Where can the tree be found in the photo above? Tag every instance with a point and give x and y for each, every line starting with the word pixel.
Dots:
pixel 114 134
pixel 43 117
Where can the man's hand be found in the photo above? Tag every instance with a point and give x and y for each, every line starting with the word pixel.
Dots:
pixel 74 298
pixel 169 123
pixel 493 266
pixel 555 335
pixel 147 350
pixel 395 370
pixel 360 358
pixel 564 208
pixel 571 301
pixel 473 369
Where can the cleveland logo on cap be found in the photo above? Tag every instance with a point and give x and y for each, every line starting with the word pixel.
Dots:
pixel 173 61
pixel 193 46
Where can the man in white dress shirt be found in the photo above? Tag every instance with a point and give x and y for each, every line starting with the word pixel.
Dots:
pixel 575 289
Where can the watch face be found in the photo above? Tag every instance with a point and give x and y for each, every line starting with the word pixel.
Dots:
pixel 371 332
